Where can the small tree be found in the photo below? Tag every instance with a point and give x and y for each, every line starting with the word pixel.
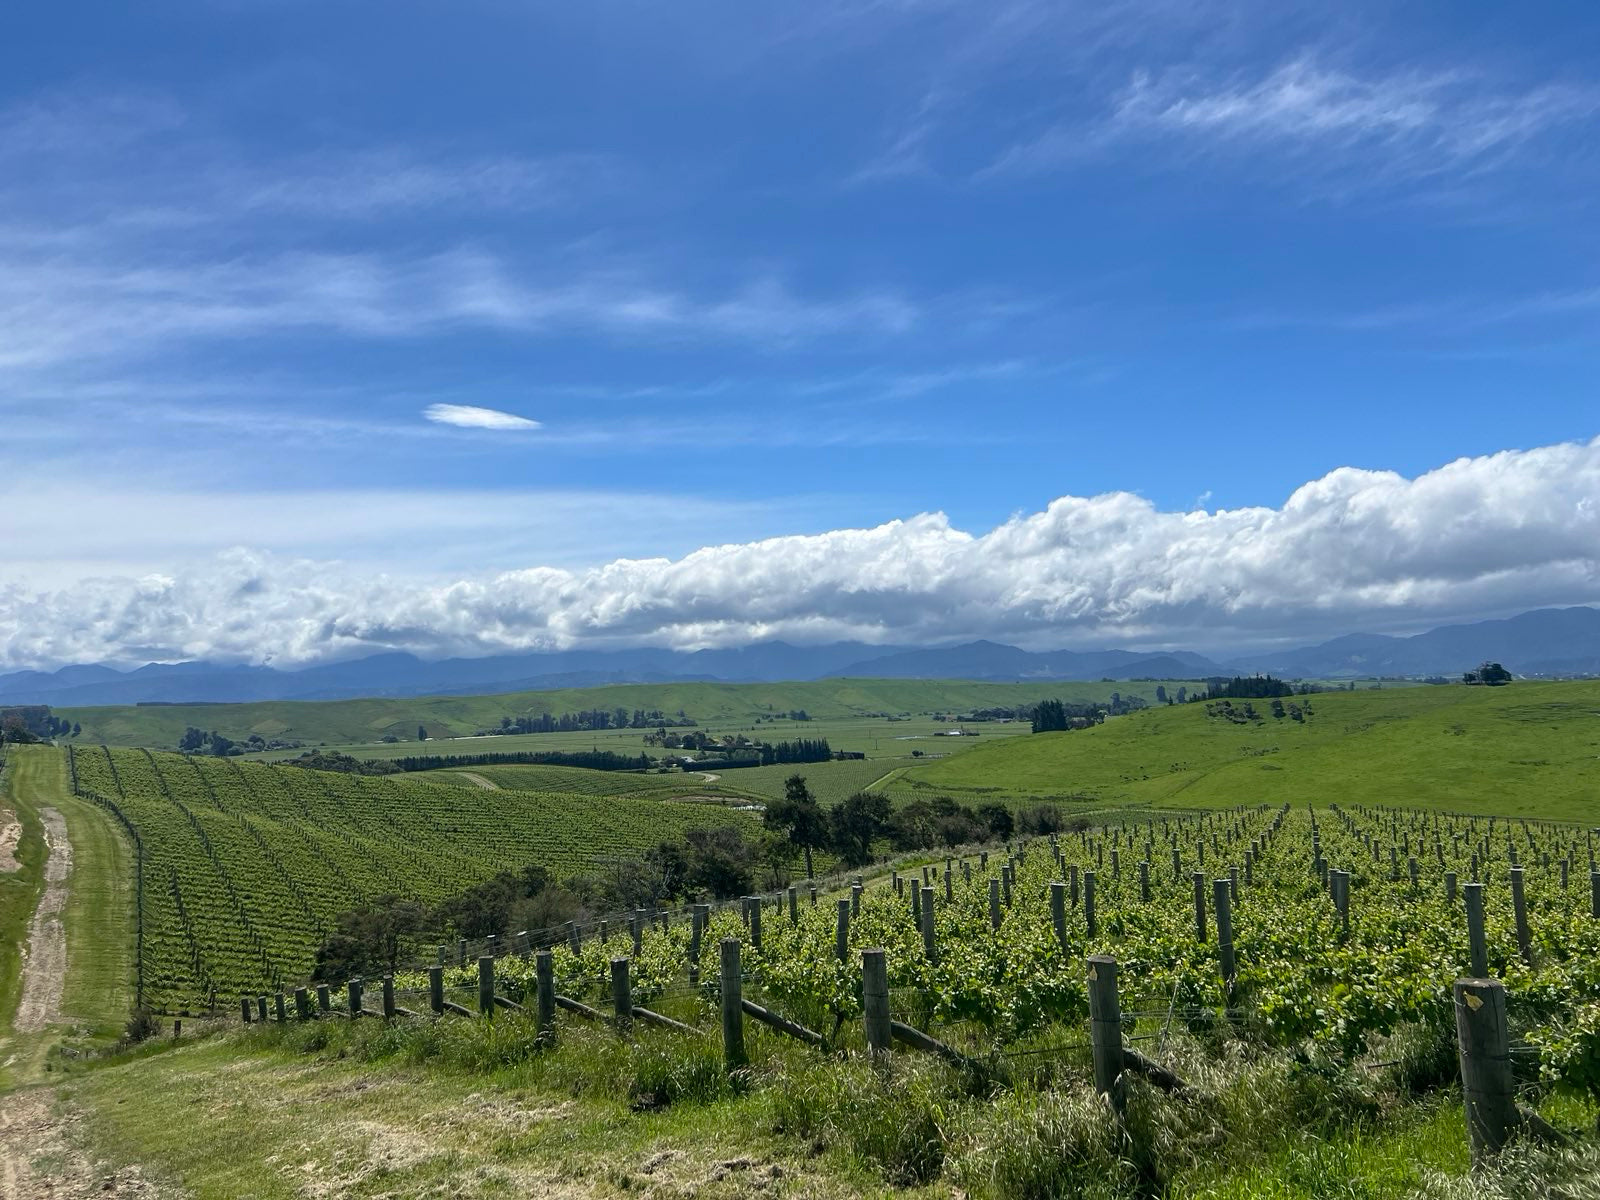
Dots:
pixel 856 823
pixel 799 817
pixel 422 733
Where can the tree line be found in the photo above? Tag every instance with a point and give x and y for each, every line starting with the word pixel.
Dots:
pixel 589 719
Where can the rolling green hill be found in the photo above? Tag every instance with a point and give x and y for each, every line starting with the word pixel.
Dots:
pixel 1526 749
pixel 357 722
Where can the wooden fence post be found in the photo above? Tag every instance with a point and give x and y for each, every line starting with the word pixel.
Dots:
pixel 794 905
pixel 244 1009
pixel 545 975
pixel 841 930
pixel 281 1008
pixel 636 927
pixel 352 995
pixel 1475 935
pixel 755 921
pixel 1200 906
pixel 324 1000
pixel 486 984
pixel 388 997
pixel 261 1009
pixel 1222 901
pixel 1144 880
pixel 436 990
pixel 1058 913
pixel 875 1001
pixel 1449 887
pixel 1105 1026
pixel 1486 1084
pixel 1090 922
pixel 1594 893
pixel 928 944
pixel 732 1006
pixel 621 994
pixel 994 903
pixel 1519 905
pixel 461 952
pixel 302 1004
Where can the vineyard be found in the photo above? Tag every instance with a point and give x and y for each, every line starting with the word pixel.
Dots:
pixel 1325 931
pixel 242 868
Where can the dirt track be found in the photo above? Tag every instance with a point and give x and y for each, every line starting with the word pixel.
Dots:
pixel 487 785
pixel 44 965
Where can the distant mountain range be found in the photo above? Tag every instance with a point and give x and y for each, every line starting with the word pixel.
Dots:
pixel 1544 642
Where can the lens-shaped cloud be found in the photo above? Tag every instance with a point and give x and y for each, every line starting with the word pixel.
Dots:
pixel 468 416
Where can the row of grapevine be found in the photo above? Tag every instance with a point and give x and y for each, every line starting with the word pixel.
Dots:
pixel 243 867
pixel 999 965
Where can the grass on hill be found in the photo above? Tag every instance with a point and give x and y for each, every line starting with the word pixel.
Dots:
pixel 20 885
pixel 1522 750
pixel 424 1111
pixel 99 919
pixel 724 706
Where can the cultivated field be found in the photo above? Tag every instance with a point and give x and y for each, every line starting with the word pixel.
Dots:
pixel 245 866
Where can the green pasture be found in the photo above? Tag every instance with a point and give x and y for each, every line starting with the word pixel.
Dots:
pixel 1522 750
pixel 721 707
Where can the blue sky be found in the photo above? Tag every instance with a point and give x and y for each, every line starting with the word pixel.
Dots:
pixel 762 270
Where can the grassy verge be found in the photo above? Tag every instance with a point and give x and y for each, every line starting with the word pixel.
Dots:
pixel 98 990
pixel 473 1107
pixel 19 889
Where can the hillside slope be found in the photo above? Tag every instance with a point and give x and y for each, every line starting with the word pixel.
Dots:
pixel 1529 749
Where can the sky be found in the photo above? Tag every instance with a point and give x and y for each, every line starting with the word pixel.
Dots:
pixel 334 328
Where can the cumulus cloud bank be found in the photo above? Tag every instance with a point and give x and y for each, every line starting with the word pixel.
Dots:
pixel 1353 549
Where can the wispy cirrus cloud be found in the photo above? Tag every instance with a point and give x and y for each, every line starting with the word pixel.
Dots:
pixel 102 302
pixel 1407 124
pixel 470 416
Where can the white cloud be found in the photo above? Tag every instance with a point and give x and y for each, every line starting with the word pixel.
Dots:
pixel 469 416
pixel 1356 548
pixel 1403 124
pixel 105 302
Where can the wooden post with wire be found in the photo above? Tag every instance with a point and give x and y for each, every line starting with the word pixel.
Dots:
pixel 1487 1087
pixel 733 1054
pixel 545 977
pixel 1105 1027
pixel 875 1001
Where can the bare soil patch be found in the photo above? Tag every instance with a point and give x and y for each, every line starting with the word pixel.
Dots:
pixel 44 964
pixel 10 835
